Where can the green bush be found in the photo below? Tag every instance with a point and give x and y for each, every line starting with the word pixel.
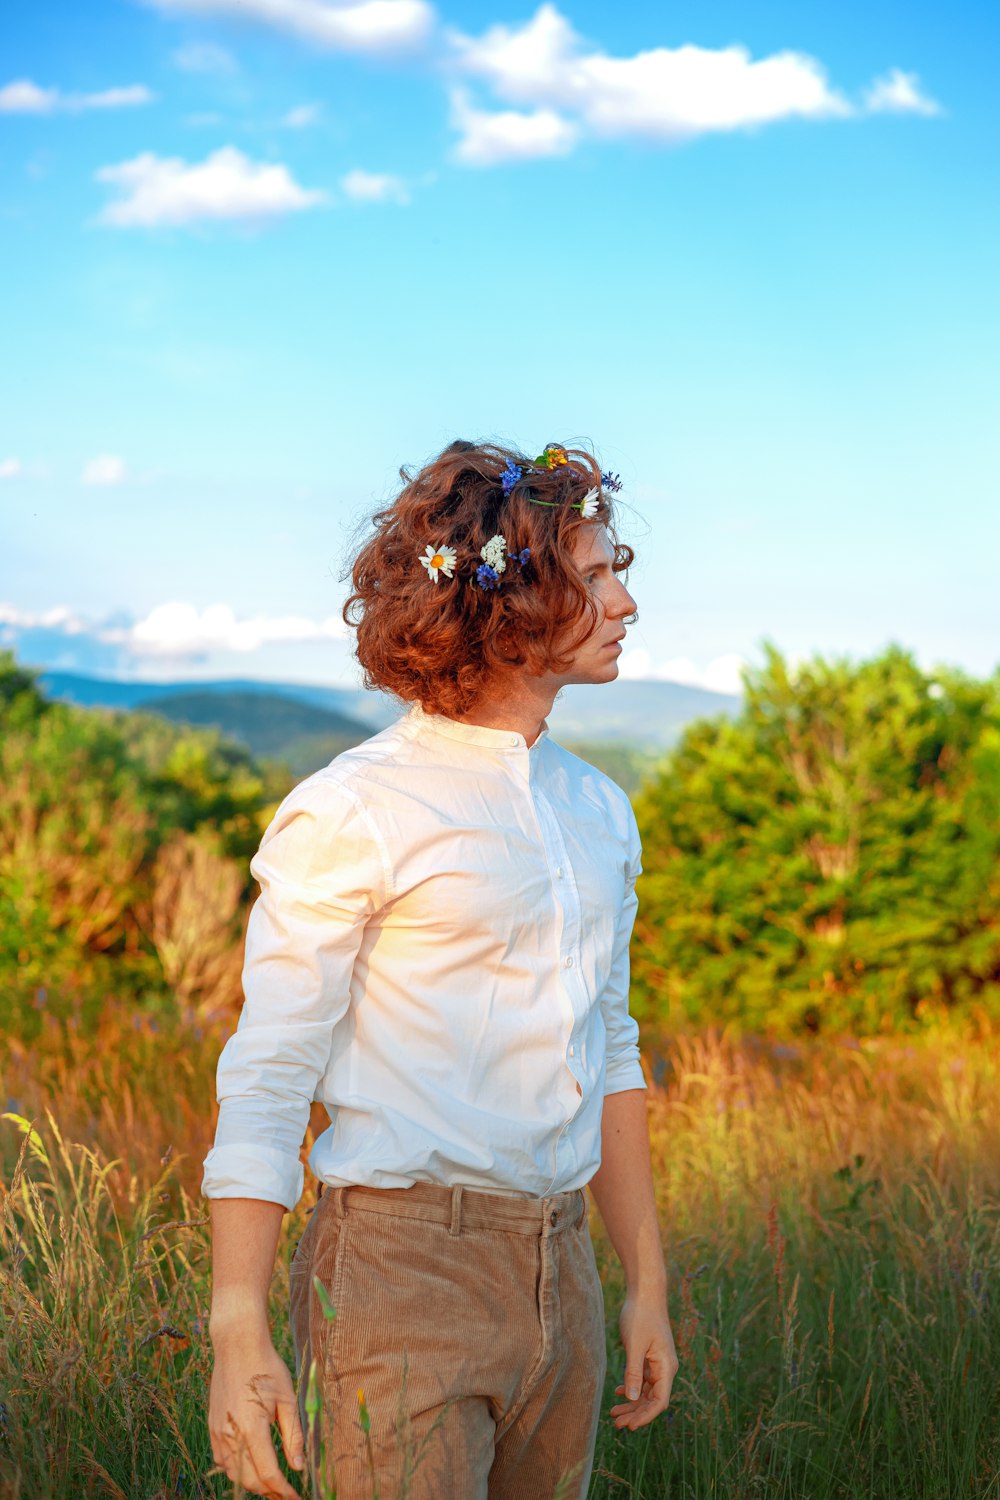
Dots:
pixel 93 805
pixel 829 860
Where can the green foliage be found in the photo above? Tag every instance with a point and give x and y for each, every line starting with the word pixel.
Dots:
pixel 20 700
pixel 74 835
pixel 830 859
pixel 194 780
pixel 90 803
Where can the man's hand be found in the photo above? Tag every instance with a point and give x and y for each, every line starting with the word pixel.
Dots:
pixel 650 1363
pixel 251 1388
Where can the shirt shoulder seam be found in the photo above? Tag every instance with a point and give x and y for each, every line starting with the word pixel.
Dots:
pixel 337 779
pixel 388 873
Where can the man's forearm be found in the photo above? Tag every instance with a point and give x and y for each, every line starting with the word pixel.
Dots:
pixel 244 1243
pixel 623 1192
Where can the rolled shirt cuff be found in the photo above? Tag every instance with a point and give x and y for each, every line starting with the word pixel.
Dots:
pixel 243 1171
pixel 624 1073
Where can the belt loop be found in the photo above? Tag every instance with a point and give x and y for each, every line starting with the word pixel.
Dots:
pixel 339 1194
pixel 455 1227
pixel 583 1208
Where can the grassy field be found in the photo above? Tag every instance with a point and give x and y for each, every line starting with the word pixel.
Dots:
pixel 831 1216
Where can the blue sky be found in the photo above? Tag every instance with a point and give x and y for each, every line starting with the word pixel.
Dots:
pixel 256 254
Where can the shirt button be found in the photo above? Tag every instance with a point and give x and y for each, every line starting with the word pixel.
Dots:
pixel 572 1052
pixel 514 740
pixel 559 872
pixel 568 962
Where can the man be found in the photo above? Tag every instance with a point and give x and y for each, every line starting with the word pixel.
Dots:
pixel 440 955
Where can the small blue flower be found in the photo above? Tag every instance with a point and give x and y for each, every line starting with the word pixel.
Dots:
pixel 612 482
pixel 487 577
pixel 510 476
pixel 523 556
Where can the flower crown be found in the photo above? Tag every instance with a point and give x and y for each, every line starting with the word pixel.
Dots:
pixel 495 557
pixel 495 554
pixel 552 457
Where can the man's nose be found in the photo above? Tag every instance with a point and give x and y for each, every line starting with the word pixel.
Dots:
pixel 624 605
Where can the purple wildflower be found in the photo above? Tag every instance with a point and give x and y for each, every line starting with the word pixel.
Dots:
pixel 510 476
pixel 612 482
pixel 487 577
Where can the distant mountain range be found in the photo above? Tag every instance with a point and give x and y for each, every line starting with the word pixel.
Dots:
pixel 305 725
pixel 106 692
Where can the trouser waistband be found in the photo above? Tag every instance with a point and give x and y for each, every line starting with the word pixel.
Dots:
pixel 460 1208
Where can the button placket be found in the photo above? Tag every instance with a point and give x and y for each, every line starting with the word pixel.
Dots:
pixel 569 897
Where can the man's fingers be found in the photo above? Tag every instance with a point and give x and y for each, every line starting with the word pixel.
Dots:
pixel 261 1476
pixel 291 1433
pixel 652 1396
pixel 249 1459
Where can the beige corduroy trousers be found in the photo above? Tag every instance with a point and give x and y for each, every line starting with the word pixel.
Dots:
pixel 472 1327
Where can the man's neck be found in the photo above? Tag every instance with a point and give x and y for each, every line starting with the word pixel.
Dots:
pixel 515 702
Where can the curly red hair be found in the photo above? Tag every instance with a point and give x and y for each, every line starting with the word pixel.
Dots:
pixel 440 643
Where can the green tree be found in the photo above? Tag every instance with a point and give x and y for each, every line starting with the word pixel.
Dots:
pixel 124 851
pixel 828 860
pixel 75 834
pixel 20 699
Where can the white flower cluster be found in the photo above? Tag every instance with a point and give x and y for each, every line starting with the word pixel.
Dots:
pixel 494 554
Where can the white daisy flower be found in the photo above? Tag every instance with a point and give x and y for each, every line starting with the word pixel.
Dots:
pixel 494 553
pixel 590 504
pixel 438 560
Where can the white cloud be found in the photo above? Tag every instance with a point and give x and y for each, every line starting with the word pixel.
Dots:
pixel 374 187
pixel 302 115
pixel 135 93
pixel 900 93
pixel 204 57
pixel 493 136
pixel 10 468
pixel 60 617
pixel 227 185
pixel 180 630
pixel 170 635
pixel 721 675
pixel 105 469
pixel 23 97
pixel 362 26
pixel 668 93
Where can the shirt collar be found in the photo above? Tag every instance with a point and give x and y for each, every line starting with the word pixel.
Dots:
pixel 473 734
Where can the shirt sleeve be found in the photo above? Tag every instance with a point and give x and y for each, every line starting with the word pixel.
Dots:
pixel 623 1070
pixel 322 873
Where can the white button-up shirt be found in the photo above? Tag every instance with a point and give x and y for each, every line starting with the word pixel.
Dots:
pixel 439 955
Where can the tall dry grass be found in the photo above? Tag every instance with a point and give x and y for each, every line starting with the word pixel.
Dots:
pixel 831 1219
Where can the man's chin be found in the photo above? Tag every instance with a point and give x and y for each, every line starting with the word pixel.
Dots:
pixel 594 676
